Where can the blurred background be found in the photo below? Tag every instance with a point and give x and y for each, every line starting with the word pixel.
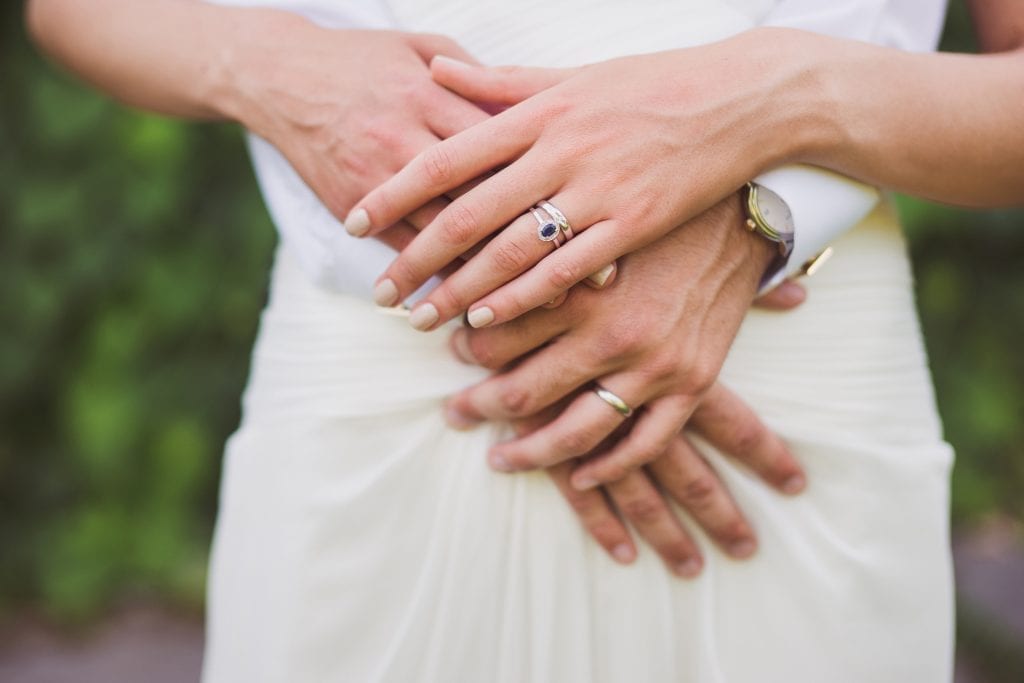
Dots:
pixel 133 262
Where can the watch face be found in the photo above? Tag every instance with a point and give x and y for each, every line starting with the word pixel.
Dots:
pixel 775 211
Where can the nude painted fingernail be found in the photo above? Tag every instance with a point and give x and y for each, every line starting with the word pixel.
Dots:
pixel 459 420
pixel 601 277
pixel 623 553
pixel 357 223
pixel 742 549
pixel 794 484
pixel 584 483
pixel 688 568
pixel 480 317
pixel 449 61
pixel 385 293
pixel 499 462
pixel 460 347
pixel 424 316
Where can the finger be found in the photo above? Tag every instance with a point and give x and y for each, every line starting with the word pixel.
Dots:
pixel 505 85
pixel 511 252
pixel 581 427
pixel 465 222
pixel 496 347
pixel 422 217
pixel 443 167
pixel 729 424
pixel 591 251
pixel 646 510
pixel 596 515
pixel 398 236
pixel 447 114
pixel 650 436
pixel 538 381
pixel 688 478
pixel 787 295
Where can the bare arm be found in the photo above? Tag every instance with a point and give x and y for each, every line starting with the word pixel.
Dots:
pixel 946 127
pixel 167 56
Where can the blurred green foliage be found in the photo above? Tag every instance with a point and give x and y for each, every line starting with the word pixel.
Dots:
pixel 133 265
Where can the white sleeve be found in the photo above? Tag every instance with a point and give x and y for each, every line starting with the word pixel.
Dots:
pixel 825 204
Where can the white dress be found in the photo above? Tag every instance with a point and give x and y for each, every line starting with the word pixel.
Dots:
pixel 359 539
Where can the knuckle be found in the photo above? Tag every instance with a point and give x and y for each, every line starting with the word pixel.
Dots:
pixel 700 376
pixel 734 529
pixel 749 437
pixel 386 138
pixel 515 401
pixel 438 164
pixel 662 365
pixel 699 492
pixel 563 276
pixel 510 257
pixel 606 531
pixel 573 442
pixel 645 509
pixel 460 224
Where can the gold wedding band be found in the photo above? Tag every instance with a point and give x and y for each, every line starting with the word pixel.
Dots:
pixel 613 399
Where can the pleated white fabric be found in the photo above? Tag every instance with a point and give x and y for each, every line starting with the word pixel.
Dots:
pixel 359 539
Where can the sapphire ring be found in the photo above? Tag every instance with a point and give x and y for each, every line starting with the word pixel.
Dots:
pixel 548 229
pixel 558 217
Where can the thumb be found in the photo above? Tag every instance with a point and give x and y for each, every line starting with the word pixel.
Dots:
pixel 505 85
pixel 786 296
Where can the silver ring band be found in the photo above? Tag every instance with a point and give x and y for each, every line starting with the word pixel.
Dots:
pixel 612 399
pixel 559 218
pixel 547 229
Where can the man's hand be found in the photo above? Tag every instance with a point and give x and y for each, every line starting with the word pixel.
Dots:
pixel 347 108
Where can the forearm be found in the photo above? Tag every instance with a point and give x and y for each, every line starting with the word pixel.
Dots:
pixel 173 57
pixel 941 126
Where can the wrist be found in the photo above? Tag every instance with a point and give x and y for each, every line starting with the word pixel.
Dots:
pixel 245 47
pixel 800 87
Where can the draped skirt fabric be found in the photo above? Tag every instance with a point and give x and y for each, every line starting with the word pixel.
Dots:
pixel 360 539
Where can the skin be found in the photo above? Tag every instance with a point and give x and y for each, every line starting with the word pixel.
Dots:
pixel 633 147
pixel 348 109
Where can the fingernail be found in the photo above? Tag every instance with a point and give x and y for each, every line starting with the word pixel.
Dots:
pixel 601 277
pixel 688 568
pixel 584 483
pixel 357 223
pixel 458 420
pixel 441 59
pixel 742 549
pixel 385 293
pixel 499 462
pixel 794 484
pixel 623 553
pixel 423 316
pixel 480 317
pixel 460 345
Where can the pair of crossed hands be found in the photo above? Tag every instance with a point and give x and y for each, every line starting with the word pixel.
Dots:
pixel 441 159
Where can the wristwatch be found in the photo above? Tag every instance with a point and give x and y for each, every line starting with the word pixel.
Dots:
pixel 769 216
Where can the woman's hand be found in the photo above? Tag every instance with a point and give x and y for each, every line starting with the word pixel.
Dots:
pixel 627 149
pixel 656 338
